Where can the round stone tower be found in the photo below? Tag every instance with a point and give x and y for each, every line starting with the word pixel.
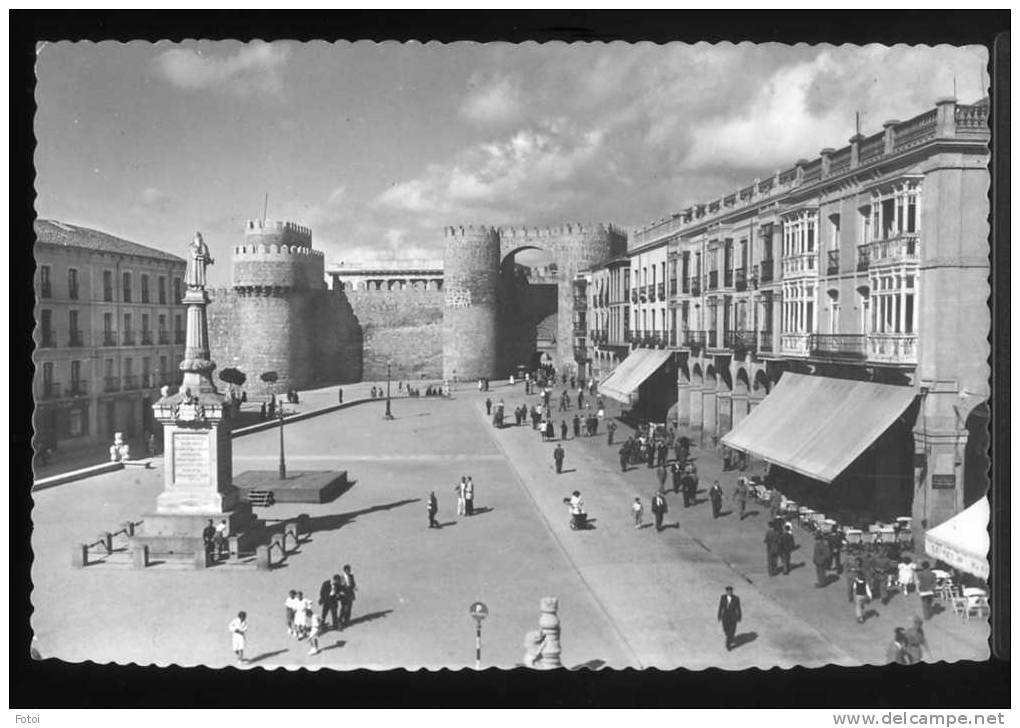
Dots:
pixel 273 274
pixel 471 307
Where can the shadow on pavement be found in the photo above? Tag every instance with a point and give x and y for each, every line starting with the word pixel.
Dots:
pixel 444 525
pixel 267 655
pixel 744 638
pixel 335 645
pixel 370 616
pixel 589 665
pixel 338 520
pixel 480 511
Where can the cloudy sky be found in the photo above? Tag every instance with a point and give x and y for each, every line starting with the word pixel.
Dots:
pixel 377 146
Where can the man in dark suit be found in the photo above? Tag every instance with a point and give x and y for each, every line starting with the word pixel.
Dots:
pixel 558 455
pixel 729 614
pixel 326 602
pixel 659 509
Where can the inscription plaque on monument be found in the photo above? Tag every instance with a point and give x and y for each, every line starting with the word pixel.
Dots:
pixel 191 458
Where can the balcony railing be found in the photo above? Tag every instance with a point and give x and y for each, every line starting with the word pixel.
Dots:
pixel 740 282
pixel 111 384
pixel 741 340
pixel 178 337
pixel 109 338
pixel 580 303
pixel 795 344
pixel 128 337
pixel 47 339
pixel 832 262
pixel 765 271
pixel 75 338
pixel 628 336
pixel 108 295
pixel 634 296
pixel 672 338
pixel 838 346
pixel 765 341
pixel 894 251
pixel 50 390
pixel 728 278
pixel 78 388
pixel 131 381
pixel 712 280
pixel 798 265
pixel 164 337
pixel 892 348
pixel 863 257
pixel 46 290
pixel 661 291
pixel 695 338
pixel 672 286
pixel 147 338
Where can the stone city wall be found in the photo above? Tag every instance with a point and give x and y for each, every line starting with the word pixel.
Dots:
pixel 404 328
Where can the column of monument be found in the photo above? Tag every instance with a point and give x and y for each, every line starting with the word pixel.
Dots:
pixel 198 468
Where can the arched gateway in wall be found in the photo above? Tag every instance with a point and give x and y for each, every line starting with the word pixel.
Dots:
pixel 475 264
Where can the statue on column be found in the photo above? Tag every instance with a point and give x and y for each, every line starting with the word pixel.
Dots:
pixel 198 261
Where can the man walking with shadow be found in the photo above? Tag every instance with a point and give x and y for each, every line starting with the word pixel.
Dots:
pixel 659 509
pixel 348 589
pixel 558 455
pixel 433 509
pixel 730 615
pixel 715 495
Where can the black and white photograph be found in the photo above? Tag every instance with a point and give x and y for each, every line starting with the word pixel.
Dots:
pixel 491 355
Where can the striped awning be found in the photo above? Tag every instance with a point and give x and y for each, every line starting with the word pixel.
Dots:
pixel 963 541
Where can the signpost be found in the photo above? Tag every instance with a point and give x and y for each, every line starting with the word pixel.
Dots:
pixel 479 611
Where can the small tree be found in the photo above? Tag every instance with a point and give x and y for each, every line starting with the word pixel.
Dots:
pixel 233 376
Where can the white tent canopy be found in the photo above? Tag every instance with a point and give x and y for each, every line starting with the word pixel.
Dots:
pixel 962 541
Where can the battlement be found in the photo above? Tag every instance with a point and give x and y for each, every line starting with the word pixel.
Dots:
pixel 462 231
pixel 278 251
pixel 557 231
pixel 278 232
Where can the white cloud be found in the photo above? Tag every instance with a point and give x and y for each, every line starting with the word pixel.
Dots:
pixel 492 99
pixel 254 68
pixel 336 195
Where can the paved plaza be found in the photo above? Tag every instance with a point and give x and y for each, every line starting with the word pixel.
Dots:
pixel 627 597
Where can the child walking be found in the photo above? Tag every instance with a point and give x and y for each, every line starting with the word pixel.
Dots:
pixel 638 510
pixel 238 627
pixel 315 629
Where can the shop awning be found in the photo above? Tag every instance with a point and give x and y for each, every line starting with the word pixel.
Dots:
pixel 962 541
pixel 632 371
pixel 817 426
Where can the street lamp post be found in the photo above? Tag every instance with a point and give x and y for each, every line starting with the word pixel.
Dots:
pixel 283 462
pixel 389 414
pixel 479 611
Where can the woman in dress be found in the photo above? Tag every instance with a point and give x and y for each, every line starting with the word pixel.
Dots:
pixel 238 628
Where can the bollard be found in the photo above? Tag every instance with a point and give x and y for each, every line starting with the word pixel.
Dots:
pixel 201 560
pixel 262 558
pixel 234 544
pixel 140 556
pixel 106 540
pixel 549 622
pixel 80 556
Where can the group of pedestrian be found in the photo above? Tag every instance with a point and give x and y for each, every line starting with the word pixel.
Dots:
pixel 779 547
pixel 216 540
pixel 293 397
pixel 908 646
pixel 465 491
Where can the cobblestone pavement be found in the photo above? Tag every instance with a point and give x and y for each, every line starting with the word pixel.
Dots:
pixel 627 597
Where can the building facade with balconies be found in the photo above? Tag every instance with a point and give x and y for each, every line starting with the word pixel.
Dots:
pixel 608 315
pixel 866 264
pixel 109 333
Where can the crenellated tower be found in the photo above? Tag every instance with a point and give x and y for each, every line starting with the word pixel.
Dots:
pixel 471 307
pixel 277 277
